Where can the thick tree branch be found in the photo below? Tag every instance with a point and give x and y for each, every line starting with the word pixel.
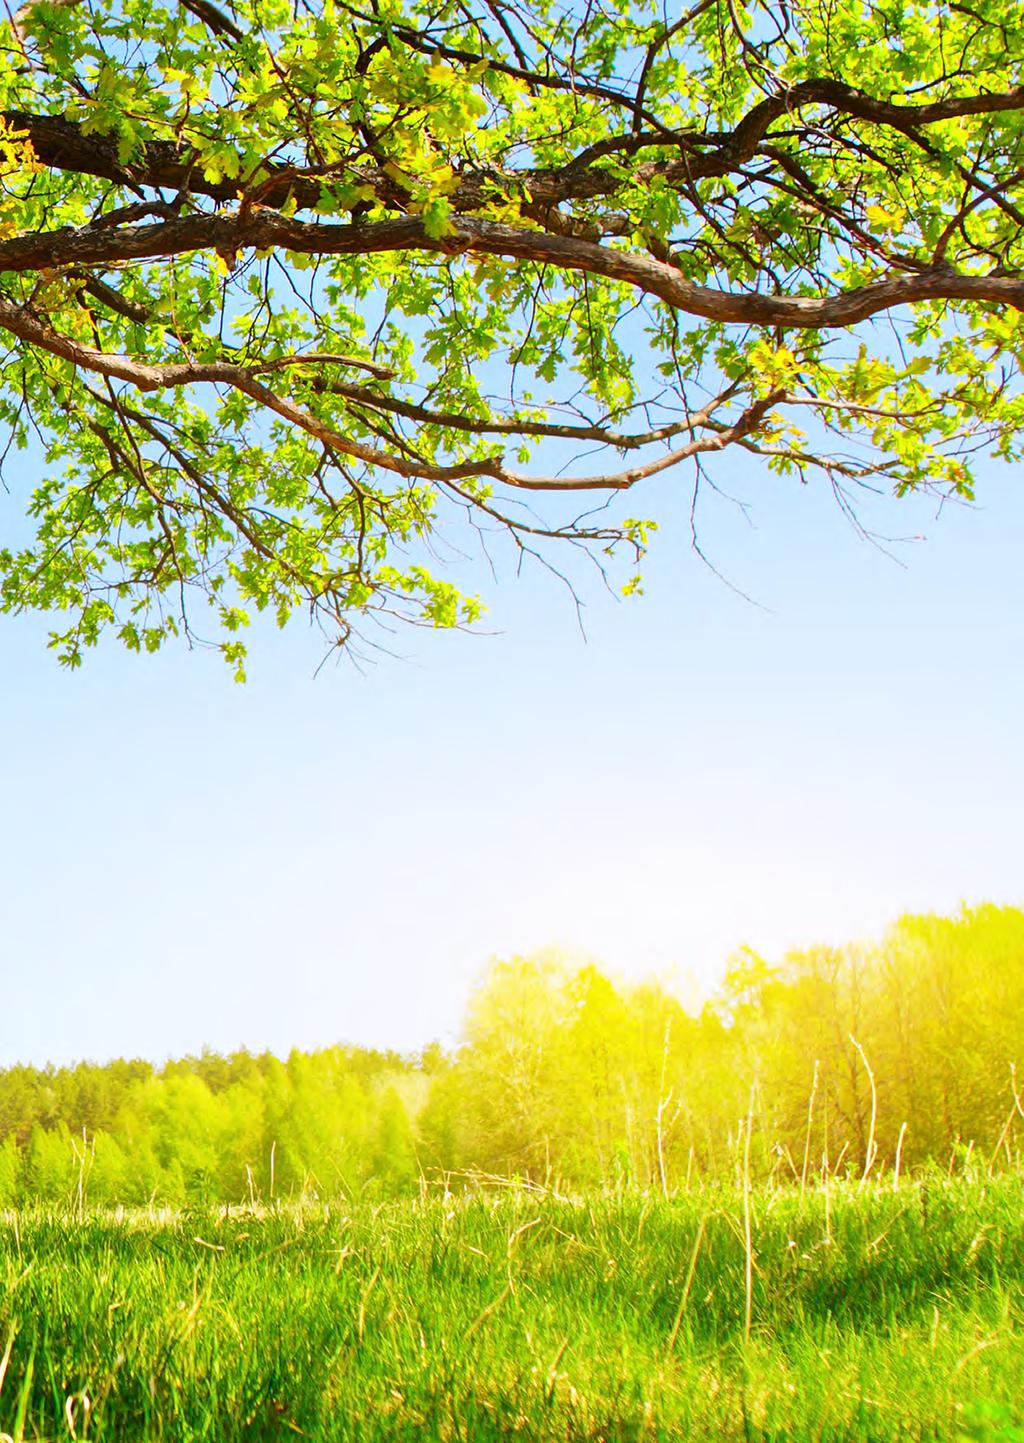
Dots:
pixel 265 230
pixel 63 145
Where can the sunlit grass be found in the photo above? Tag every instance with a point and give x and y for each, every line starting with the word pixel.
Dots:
pixel 875 1314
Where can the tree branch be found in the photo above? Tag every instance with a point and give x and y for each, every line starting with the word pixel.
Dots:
pixel 265 230
pixel 163 164
pixel 28 327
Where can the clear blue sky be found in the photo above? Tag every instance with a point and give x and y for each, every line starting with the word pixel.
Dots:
pixel 307 860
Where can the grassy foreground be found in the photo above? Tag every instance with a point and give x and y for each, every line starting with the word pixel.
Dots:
pixel 874 1315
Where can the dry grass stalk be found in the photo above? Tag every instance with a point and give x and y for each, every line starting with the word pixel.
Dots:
pixel 899 1156
pixel 810 1120
pixel 871 1150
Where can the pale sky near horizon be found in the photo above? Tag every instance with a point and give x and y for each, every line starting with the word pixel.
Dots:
pixel 302 861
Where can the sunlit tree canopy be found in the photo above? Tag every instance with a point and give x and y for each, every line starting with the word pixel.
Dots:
pixel 294 296
pixel 838 1061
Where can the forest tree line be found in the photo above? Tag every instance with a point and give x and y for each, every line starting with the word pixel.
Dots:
pixel 835 1060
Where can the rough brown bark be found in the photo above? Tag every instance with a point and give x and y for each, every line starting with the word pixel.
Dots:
pixel 99 246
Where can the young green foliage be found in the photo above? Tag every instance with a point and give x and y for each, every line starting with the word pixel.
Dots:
pixel 289 292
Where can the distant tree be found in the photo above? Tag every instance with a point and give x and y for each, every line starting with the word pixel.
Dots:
pixel 10 1172
pixel 110 1178
pixel 49 1166
pixel 394 1145
pixel 285 290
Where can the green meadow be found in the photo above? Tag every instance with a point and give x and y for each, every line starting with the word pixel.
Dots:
pixel 855 1311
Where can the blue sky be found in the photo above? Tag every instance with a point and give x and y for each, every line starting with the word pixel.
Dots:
pixel 303 860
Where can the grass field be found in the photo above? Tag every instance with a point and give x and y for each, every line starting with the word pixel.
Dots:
pixel 873 1314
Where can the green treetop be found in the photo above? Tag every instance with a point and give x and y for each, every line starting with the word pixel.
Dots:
pixel 286 290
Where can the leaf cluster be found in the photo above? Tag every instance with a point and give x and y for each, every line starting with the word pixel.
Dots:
pixel 297 303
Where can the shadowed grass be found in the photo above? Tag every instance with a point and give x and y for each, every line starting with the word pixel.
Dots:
pixel 885 1315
